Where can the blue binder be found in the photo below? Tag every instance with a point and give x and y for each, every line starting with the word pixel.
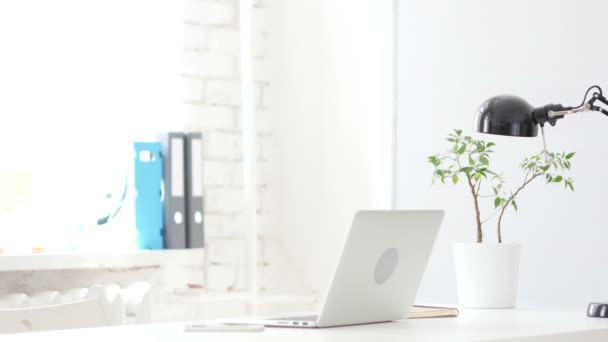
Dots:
pixel 148 174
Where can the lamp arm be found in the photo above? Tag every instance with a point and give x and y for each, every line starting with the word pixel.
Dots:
pixel 602 99
pixel 568 110
pixel 589 106
pixel 555 112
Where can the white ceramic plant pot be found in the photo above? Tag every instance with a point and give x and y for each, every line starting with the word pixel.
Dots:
pixel 487 274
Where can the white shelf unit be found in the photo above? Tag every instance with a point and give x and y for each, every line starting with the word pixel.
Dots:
pixel 95 260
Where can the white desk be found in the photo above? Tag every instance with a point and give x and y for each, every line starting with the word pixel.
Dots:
pixel 472 325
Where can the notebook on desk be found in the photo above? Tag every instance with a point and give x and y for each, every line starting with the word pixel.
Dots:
pixel 427 311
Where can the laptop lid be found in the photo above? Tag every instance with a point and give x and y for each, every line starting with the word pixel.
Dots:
pixel 380 267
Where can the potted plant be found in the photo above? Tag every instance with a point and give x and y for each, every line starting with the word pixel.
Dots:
pixel 486 272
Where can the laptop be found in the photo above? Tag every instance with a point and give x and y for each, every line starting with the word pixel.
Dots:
pixel 378 273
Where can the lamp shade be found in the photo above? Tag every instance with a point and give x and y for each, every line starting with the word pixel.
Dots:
pixel 506 115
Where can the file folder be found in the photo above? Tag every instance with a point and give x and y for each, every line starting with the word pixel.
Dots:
pixel 148 173
pixel 174 230
pixel 194 190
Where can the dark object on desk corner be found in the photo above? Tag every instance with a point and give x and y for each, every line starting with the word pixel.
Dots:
pixel 597 310
pixel 513 116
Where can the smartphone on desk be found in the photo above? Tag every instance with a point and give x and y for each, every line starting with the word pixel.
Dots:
pixel 222 327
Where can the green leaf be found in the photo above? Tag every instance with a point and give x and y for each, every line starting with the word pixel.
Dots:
pixel 545 168
pixel 570 155
pixel 497 202
pixel 455 179
pixel 452 140
pixel 558 179
pixel 471 161
pixel 570 186
pixel 484 160
pixel 458 131
pixel 466 169
pixel 514 205
pixel 462 149
pixel 490 144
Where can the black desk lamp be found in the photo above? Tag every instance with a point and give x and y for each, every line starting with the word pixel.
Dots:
pixel 513 116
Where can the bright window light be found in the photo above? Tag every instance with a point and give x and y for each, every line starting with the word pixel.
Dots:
pixel 79 82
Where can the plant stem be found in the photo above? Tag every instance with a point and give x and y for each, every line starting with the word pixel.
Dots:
pixel 511 198
pixel 490 217
pixel 477 214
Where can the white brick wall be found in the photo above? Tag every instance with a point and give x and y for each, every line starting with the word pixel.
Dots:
pixel 207 64
pixel 227 201
pixel 210 12
pixel 195 36
pixel 211 55
pixel 223 93
pixel 224 41
pixel 193 90
pixel 201 117
pixel 224 145
pixel 223 174
pixel 221 225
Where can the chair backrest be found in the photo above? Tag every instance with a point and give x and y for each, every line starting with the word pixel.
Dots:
pixel 24 313
pixel 137 302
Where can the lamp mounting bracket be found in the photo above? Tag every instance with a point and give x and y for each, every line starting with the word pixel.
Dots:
pixel 584 107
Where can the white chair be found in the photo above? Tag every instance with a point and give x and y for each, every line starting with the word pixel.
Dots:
pixel 75 308
pixel 137 302
pixel 95 310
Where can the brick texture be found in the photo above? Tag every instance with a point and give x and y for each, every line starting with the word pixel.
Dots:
pixel 212 96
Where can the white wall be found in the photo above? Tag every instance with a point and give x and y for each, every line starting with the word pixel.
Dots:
pixel 455 54
pixel 334 123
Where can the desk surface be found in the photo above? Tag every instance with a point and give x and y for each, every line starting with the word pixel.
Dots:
pixel 472 325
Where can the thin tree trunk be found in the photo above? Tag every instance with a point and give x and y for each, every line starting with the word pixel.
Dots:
pixel 504 207
pixel 499 230
pixel 477 213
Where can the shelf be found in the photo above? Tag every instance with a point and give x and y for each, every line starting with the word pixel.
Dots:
pixel 94 260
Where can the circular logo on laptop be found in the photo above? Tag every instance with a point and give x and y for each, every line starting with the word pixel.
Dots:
pixel 386 265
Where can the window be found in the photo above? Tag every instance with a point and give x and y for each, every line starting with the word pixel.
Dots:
pixel 79 82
